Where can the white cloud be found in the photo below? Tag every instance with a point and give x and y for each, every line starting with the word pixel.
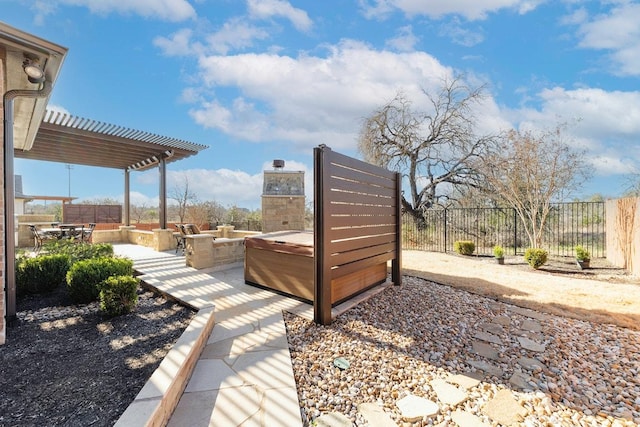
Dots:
pixel 236 33
pixel 265 9
pixel 461 34
pixel 470 9
pixel 617 32
pixel 179 44
pixel 405 41
pixel 167 10
pixel 606 124
pixel 309 100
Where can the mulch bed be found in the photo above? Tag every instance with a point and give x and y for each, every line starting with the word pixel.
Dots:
pixel 68 365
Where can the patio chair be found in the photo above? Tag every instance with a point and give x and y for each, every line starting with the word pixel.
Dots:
pixel 180 238
pixel 86 234
pixel 39 237
pixel 192 229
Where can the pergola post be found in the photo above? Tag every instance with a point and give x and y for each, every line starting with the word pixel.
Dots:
pixel 127 201
pixel 162 166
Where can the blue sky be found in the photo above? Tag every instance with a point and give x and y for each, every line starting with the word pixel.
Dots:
pixel 258 80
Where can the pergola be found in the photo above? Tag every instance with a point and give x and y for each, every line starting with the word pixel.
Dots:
pixel 69 139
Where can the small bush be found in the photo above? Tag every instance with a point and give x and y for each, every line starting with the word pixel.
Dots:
pixel 498 251
pixel 79 251
pixel 536 257
pixel 464 247
pixel 581 253
pixel 118 295
pixel 43 273
pixel 84 277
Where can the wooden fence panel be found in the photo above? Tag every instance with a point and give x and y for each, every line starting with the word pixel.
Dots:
pixel 357 228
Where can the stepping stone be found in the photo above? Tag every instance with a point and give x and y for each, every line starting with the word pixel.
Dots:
pixel 467 380
pixel 414 408
pixel 504 409
pixel 531 345
pixel 485 350
pixel 466 419
pixel 536 336
pixel 375 415
pixel 528 313
pixel 447 393
pixel 486 336
pixel 530 325
pixel 492 327
pixel 486 367
pixel 502 320
pixel 531 364
pixel 333 419
pixel 520 380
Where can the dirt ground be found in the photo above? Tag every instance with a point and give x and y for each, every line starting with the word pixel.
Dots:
pixel 68 365
pixel 604 293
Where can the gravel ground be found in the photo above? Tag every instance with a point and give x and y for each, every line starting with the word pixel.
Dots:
pixel 67 365
pixel 398 342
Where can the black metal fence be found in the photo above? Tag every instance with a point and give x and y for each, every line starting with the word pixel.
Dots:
pixel 568 224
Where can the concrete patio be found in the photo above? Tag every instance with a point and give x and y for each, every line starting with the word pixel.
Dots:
pixel 232 365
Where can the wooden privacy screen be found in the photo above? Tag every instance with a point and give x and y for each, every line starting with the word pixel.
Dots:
pixel 357 228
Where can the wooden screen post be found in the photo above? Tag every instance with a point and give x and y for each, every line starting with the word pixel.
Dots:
pixel 322 277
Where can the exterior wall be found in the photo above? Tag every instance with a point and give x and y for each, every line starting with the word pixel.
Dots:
pixel 2 230
pixel 623 233
pixel 281 213
pixel 202 251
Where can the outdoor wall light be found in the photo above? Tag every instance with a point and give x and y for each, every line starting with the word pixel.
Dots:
pixel 33 71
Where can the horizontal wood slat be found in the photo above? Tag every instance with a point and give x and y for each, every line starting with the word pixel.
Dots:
pixel 350 162
pixel 350 233
pixel 340 271
pixel 363 199
pixel 346 257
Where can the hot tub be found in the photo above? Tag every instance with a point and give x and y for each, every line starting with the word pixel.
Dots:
pixel 283 261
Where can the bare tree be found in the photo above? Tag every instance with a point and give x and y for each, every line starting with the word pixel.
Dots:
pixel 141 212
pixel 434 150
pixel 184 197
pixel 529 170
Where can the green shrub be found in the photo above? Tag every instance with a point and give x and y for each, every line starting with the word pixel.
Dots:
pixel 43 273
pixel 464 247
pixel 79 251
pixel 581 253
pixel 118 295
pixel 536 257
pixel 84 277
pixel 498 251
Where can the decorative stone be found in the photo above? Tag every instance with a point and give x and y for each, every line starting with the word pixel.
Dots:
pixel 448 393
pixel 531 363
pixel 333 419
pixel 486 336
pixel 467 380
pixel 486 367
pixel 485 350
pixel 531 345
pixel 492 327
pixel 465 419
pixel 504 409
pixel 502 320
pixel 528 313
pixel 375 415
pixel 414 408
pixel 520 380
pixel 530 325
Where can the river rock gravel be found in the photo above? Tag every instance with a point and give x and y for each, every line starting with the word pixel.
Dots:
pixel 409 339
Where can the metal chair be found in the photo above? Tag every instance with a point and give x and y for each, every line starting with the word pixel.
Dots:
pixel 39 237
pixel 86 234
pixel 181 239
